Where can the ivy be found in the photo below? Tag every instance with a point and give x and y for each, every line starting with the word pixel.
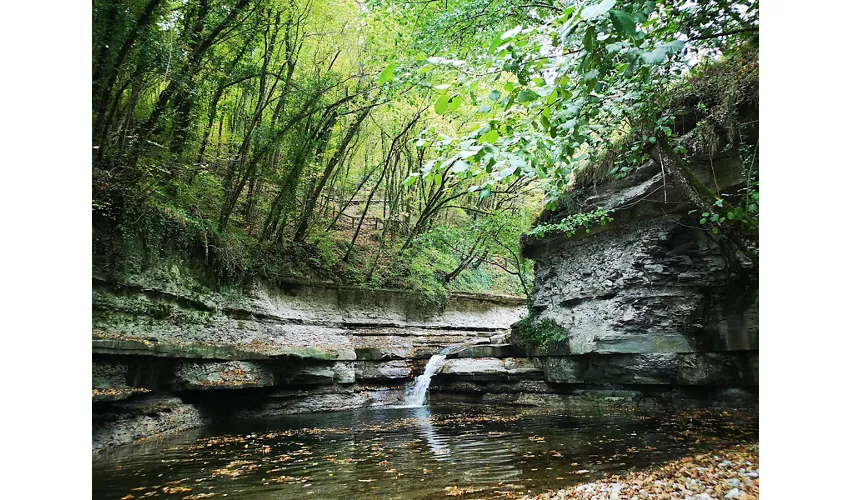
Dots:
pixel 570 225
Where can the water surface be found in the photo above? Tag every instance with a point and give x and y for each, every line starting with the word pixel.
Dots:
pixel 412 453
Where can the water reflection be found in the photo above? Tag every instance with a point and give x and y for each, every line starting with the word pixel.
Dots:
pixel 437 444
pixel 412 452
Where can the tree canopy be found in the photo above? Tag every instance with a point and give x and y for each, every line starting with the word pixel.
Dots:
pixel 394 143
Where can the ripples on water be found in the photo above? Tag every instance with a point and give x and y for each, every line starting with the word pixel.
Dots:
pixel 412 452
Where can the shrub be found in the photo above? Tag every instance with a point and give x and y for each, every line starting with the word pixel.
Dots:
pixel 539 333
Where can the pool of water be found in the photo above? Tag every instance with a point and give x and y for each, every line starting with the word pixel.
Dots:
pixel 412 453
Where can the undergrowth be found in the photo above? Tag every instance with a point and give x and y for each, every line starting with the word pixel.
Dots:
pixel 138 237
pixel 539 333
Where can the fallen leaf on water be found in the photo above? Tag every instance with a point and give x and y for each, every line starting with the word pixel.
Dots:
pixel 454 491
pixel 176 489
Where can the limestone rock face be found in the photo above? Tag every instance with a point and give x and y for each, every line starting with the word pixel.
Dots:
pixel 652 298
pixel 652 286
pixel 489 368
pixel 389 370
pixel 223 375
pixel 295 319
pixel 170 354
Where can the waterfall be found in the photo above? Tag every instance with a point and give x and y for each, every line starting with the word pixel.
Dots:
pixel 415 396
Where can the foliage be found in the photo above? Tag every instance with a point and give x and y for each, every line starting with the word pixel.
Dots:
pixel 394 143
pixel 572 223
pixel 549 97
pixel 274 138
pixel 539 333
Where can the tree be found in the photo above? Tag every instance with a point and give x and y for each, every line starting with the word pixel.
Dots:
pixel 571 83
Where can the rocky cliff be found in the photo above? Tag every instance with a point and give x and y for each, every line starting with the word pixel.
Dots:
pixel 652 301
pixel 650 308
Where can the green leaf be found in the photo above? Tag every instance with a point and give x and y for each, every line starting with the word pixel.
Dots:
pixel 494 45
pixel 594 11
pixel 591 75
pixel 623 23
pixel 459 167
pixel 494 95
pixel 589 40
pixel 703 220
pixel 510 86
pixel 490 137
pixel 658 55
pixel 511 33
pixel 410 179
pixel 455 103
pixel 387 74
pixel 442 104
pixel 526 96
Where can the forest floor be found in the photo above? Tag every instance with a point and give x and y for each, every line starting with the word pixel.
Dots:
pixel 731 473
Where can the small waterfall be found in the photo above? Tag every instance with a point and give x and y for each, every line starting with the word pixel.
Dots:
pixel 415 396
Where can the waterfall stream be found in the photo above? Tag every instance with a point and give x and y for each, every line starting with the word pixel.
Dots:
pixel 415 396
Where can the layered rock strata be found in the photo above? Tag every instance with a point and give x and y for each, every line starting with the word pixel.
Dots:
pixel 653 303
pixel 166 359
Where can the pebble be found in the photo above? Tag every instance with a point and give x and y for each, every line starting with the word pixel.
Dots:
pixel 714 478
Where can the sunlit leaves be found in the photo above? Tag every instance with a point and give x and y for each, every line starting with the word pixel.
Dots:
pixel 411 179
pixel 387 74
pixel 490 137
pixel 597 10
pixel 661 52
pixel 442 104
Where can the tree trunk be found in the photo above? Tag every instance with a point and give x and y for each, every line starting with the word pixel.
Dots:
pixel 303 223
